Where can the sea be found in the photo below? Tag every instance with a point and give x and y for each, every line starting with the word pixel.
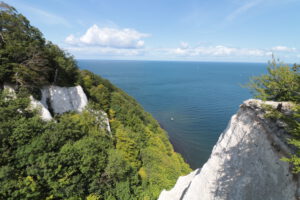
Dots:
pixel 192 101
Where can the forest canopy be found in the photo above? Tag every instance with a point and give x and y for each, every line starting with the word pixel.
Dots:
pixel 72 156
pixel 26 58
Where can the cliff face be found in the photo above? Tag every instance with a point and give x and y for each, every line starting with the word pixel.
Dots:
pixel 245 163
pixel 63 99
pixel 60 100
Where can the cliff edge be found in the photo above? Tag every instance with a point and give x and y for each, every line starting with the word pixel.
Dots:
pixel 245 162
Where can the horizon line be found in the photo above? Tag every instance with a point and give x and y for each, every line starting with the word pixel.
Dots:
pixel 208 61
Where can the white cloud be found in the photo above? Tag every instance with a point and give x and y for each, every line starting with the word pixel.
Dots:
pixel 269 53
pixel 71 39
pixel 104 51
pixel 283 49
pixel 253 52
pixel 184 45
pixel 217 51
pixel 109 37
pixel 94 47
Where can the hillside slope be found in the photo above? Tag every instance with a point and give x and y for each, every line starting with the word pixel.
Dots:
pixel 73 156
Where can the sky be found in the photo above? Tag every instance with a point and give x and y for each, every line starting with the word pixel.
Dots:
pixel 185 30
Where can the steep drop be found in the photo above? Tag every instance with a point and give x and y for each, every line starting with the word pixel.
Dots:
pixel 245 163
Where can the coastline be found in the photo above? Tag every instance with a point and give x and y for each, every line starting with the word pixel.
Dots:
pixel 177 147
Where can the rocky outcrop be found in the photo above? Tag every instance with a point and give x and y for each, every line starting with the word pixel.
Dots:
pixel 43 110
pixel 102 117
pixel 245 163
pixel 64 99
pixel 58 100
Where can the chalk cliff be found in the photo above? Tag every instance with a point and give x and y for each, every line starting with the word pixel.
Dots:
pixel 245 162
pixel 59 100
pixel 62 99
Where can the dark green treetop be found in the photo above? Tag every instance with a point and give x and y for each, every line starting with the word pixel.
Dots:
pixel 26 58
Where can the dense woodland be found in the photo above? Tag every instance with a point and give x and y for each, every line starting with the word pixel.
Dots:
pixel 72 157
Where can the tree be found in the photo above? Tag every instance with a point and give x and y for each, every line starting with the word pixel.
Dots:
pixel 282 83
pixel 26 59
pixel 101 95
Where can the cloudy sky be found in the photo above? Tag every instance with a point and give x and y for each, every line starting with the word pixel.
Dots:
pixel 196 30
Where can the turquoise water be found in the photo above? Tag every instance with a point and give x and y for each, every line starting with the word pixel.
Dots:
pixel 193 101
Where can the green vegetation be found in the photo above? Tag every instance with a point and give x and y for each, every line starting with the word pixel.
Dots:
pixel 282 83
pixel 72 156
pixel 26 59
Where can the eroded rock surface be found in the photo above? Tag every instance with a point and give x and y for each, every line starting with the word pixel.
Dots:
pixel 63 99
pixel 58 100
pixel 245 162
pixel 44 112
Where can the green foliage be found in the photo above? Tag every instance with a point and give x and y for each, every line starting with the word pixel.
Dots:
pixel 117 167
pixel 101 95
pixel 63 159
pixel 293 122
pixel 282 83
pixel 26 58
pixel 73 156
pixel 93 197
pixel 97 89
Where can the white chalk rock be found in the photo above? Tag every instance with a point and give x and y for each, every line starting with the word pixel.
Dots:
pixel 180 187
pixel 245 163
pixel 43 111
pixel 106 121
pixel 10 89
pixel 63 99
pixel 102 117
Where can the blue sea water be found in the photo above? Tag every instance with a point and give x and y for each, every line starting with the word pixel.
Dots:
pixel 193 101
